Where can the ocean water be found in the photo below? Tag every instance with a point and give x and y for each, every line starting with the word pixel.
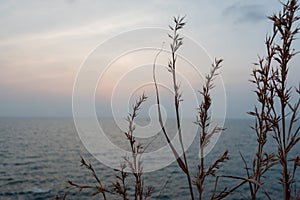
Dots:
pixel 38 156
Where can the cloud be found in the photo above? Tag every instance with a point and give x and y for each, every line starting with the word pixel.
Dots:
pixel 43 43
pixel 245 13
pixel 36 17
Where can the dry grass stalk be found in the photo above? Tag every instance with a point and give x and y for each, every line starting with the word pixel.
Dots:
pixel 178 159
pixel 120 185
pixel 203 120
pixel 261 78
pixel 135 163
pixel 98 188
pixel 176 43
pixel 274 97
pixel 271 114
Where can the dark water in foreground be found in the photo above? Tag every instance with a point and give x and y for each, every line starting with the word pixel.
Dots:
pixel 39 155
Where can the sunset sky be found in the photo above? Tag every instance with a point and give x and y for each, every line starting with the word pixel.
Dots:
pixel 44 43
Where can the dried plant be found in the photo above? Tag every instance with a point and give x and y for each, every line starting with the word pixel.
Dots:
pixel 274 98
pixel 203 120
pixel 274 114
pixel 262 76
pixel 285 134
pixel 120 185
pixel 176 42
pixel 134 162
pixel 97 189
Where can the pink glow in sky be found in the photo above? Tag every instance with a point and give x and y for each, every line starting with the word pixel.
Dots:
pixel 44 43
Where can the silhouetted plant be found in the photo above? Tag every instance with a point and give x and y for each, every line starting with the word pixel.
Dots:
pixel 120 184
pixel 274 114
pixel 97 189
pixel 204 122
pixel 274 97
pixel 262 76
pixel 134 162
pixel 203 118
pixel 176 43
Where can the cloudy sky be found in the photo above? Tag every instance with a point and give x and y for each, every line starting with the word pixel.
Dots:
pixel 44 43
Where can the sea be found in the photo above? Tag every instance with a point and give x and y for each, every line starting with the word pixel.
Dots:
pixel 39 155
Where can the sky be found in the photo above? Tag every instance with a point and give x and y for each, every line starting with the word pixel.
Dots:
pixel 44 44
